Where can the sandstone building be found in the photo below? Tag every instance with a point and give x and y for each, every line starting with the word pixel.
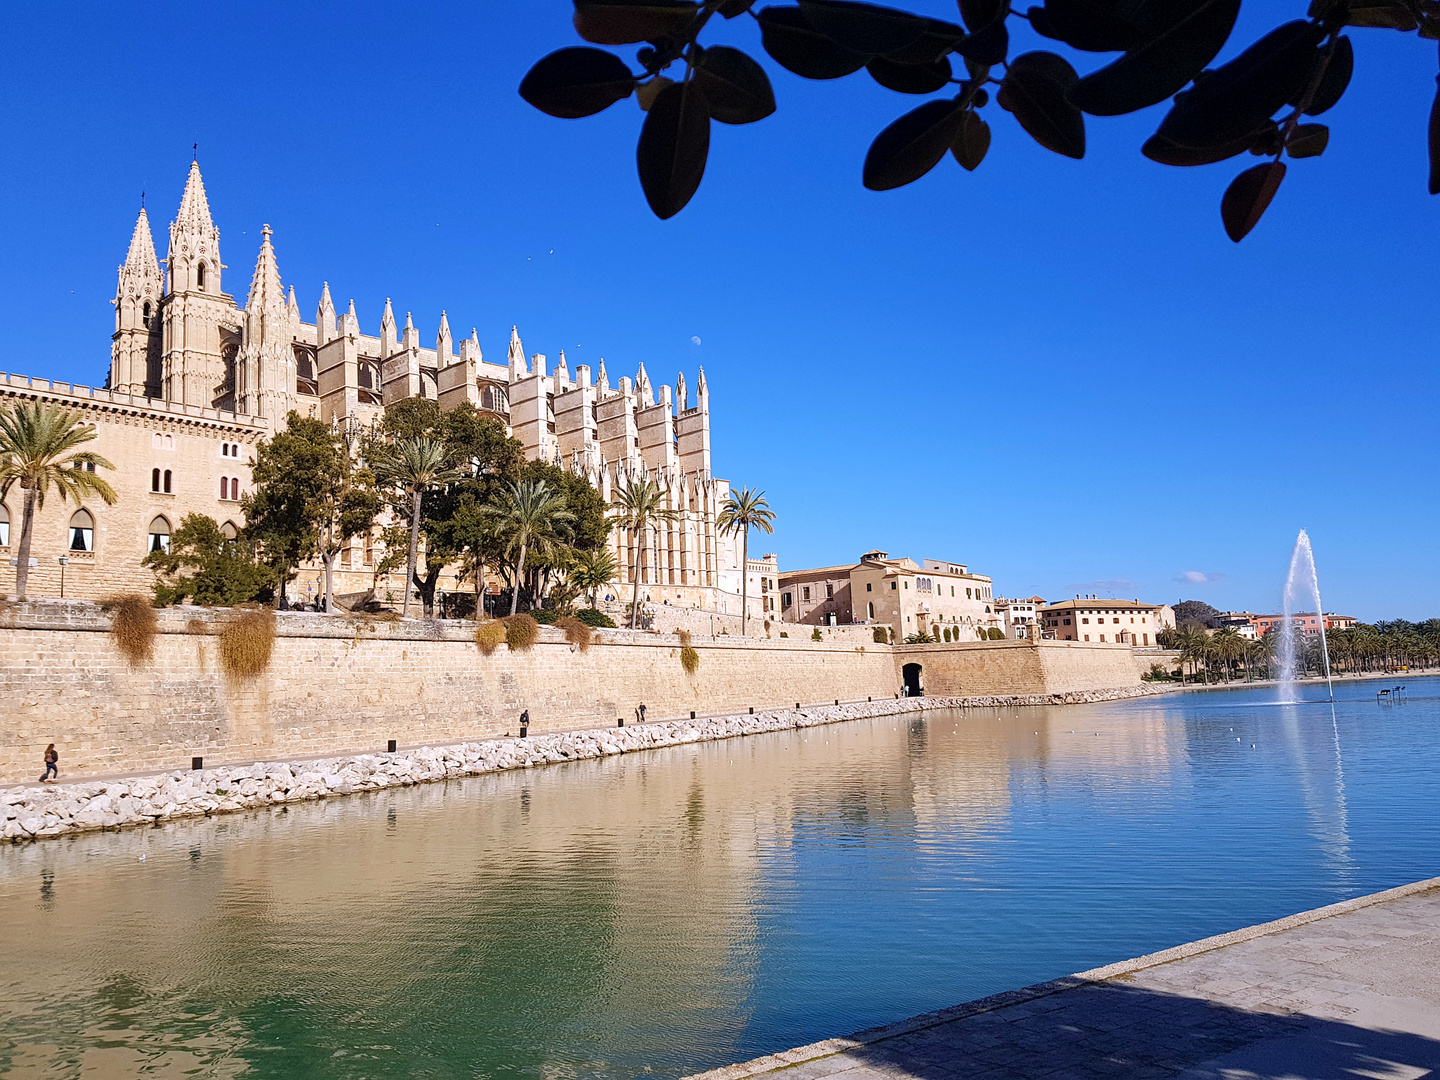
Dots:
pixel 1089 618
pixel 197 381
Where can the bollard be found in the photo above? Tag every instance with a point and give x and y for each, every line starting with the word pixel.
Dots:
pixel 620 721
pixel 869 699
pixel 797 704
pixel 390 747
pixel 197 763
pixel 752 710
pixel 524 732
pixel 837 701
pixel 692 714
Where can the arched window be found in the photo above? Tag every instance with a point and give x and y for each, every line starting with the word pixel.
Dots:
pixel 4 526
pixel 145 315
pixel 165 482
pixel 159 535
pixel 82 531
pixel 224 487
pixel 229 532
pixel 154 479
pixel 871 607
pixel 200 277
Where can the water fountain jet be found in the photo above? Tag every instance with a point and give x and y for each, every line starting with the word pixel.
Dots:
pixel 1302 573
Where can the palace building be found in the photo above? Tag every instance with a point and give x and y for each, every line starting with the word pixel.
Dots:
pixel 197 382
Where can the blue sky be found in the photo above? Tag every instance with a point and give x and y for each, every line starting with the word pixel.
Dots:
pixel 1061 373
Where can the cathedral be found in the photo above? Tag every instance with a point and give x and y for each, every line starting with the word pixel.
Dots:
pixel 197 381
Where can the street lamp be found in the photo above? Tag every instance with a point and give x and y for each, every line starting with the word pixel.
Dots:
pixel 64 562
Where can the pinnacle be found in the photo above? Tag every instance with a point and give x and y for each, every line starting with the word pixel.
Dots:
pixel 194 207
pixel 141 255
pixel 265 287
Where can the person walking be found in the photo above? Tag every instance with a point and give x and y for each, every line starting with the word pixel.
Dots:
pixel 640 712
pixel 52 766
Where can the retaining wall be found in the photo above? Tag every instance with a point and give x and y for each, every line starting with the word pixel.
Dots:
pixel 341 684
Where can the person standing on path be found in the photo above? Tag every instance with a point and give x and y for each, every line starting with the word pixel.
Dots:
pixel 640 712
pixel 52 766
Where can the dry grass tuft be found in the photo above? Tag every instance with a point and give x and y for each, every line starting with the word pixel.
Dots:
pixel 521 632
pixel 684 636
pixel 247 642
pixel 576 632
pixel 689 660
pixel 134 625
pixel 196 626
pixel 490 636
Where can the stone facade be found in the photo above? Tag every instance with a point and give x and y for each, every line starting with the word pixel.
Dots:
pixel 198 374
pixel 342 685
pixel 1089 618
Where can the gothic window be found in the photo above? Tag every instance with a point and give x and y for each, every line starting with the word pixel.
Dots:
pixel 4 526
pixel 165 482
pixel 82 531
pixel 305 381
pixel 200 277
pixel 154 479
pixel 871 608
pixel 159 535
pixel 229 532
pixel 145 315
pixel 224 487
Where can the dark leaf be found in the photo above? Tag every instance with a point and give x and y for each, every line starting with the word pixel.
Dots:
pixel 988 46
pixel 1387 14
pixel 939 38
pixel 910 78
pixel 796 46
pixel 971 142
pixel 626 22
pixel 1036 89
pixel 1333 83
pixel 912 145
pixel 1435 143
pixel 674 143
pixel 1308 140
pixel 1169 152
pixel 1088 26
pixel 736 87
pixel 1040 23
pixel 1237 97
pixel 866 28
pixel 979 14
pixel 1247 197
pixel 1430 27
pixel 577 82
pixel 731 8
pixel 1154 71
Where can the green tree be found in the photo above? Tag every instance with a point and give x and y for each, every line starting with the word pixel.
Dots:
pixel 1259 101
pixel 206 566
pixel 415 465
pixel 739 513
pixel 639 505
pixel 38 451
pixel 593 570
pixel 530 515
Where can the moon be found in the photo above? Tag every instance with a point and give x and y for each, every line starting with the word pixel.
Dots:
pixel 695 340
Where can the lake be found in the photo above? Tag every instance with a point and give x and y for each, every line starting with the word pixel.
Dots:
pixel 665 912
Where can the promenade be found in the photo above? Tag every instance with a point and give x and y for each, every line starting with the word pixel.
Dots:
pixel 1351 990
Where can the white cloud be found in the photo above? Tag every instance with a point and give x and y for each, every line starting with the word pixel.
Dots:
pixel 1196 577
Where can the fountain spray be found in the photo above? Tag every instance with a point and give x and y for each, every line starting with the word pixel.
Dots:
pixel 1302 571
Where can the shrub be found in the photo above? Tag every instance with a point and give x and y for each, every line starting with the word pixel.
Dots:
pixel 134 625
pixel 815 635
pixel 545 618
pixel 576 632
pixel 996 634
pixel 595 617
pixel 490 636
pixel 521 632
pixel 880 636
pixel 689 660
pixel 684 636
pixel 247 642
pixel 784 634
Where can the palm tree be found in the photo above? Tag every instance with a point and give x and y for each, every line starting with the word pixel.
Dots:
pixel 413 466
pixel 37 450
pixel 532 514
pixel 593 570
pixel 741 513
pixel 640 506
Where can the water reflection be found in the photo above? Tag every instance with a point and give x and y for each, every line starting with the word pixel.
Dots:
pixel 683 908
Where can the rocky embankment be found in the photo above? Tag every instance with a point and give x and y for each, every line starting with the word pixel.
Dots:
pixel 33 812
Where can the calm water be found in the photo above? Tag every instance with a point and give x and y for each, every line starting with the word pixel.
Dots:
pixel 666 912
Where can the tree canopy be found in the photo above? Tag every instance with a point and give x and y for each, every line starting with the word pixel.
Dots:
pixel 1259 101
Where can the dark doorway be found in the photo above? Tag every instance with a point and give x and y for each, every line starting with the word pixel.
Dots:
pixel 913 687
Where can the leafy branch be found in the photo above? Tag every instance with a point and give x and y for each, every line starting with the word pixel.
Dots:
pixel 1255 102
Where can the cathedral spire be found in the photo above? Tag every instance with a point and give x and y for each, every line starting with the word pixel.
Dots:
pixel 444 353
pixel 292 306
pixel 194 207
pixel 140 259
pixel 516 356
pixel 562 369
pixel 680 392
pixel 134 353
pixel 388 337
pixel 602 380
pixel 325 317
pixel 266 292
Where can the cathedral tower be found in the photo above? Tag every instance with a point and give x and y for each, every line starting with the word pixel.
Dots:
pixel 136 343
pixel 267 360
pixel 200 321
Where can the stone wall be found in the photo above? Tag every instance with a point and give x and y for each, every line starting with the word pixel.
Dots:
pixel 349 684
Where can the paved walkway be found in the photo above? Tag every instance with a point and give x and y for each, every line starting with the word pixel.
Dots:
pixel 1347 991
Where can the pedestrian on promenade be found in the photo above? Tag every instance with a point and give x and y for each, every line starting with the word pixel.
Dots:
pixel 640 712
pixel 52 766
pixel 524 722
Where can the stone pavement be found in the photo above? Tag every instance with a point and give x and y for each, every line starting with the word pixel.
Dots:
pixel 1346 991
